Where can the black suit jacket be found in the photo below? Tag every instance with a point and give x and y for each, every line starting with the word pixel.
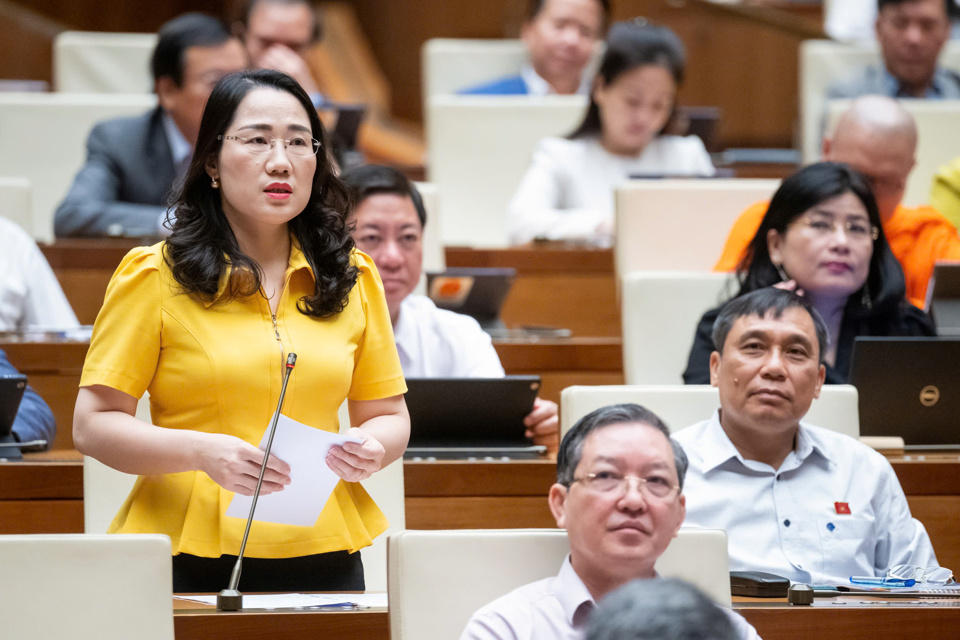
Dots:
pixel 126 180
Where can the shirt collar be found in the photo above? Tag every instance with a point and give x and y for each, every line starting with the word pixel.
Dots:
pixel 575 599
pixel 404 330
pixel 296 262
pixel 717 447
pixel 537 86
pixel 934 91
pixel 180 149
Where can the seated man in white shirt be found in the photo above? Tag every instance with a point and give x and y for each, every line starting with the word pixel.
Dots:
pixel 619 496
pixel 432 343
pixel 802 502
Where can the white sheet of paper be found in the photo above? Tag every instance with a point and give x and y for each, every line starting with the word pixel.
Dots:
pixel 301 600
pixel 311 480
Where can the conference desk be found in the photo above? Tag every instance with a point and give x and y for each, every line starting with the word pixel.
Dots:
pixel 44 494
pixel 53 367
pixel 572 286
pixel 850 618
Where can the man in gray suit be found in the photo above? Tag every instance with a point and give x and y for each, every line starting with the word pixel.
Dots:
pixel 911 34
pixel 132 163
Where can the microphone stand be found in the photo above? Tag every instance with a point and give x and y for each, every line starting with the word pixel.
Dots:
pixel 230 599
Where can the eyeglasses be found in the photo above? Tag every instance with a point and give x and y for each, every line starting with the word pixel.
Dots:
pixel 928 575
pixel 855 230
pixel 611 481
pixel 298 146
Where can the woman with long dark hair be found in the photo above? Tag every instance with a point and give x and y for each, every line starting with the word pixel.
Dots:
pixel 822 237
pixel 567 193
pixel 260 263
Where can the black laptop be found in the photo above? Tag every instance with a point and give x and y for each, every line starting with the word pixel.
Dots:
pixel 476 292
pixel 11 392
pixel 944 298
pixel 467 418
pixel 909 387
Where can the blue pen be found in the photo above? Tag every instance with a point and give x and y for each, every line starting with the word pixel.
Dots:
pixel 882 582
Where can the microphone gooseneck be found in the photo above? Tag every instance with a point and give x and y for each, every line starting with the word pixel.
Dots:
pixel 230 599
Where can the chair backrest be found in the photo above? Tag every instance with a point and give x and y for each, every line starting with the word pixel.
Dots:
pixel 15 202
pixel 98 62
pixel 452 64
pixel 439 578
pixel 660 312
pixel 680 225
pixel 938 141
pixel 479 149
pixel 86 587
pixel 680 406
pixel 386 489
pixel 433 255
pixel 44 138
pixel 823 62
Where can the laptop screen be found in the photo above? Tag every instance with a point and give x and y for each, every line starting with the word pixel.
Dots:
pixel 909 387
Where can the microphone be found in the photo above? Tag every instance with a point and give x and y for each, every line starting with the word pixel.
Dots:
pixel 230 599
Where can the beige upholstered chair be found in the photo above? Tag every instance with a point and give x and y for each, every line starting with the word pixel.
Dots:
pixel 15 202
pixel 439 578
pixel 479 149
pixel 98 62
pixel 660 311
pixel 683 405
pixel 86 587
pixel 450 65
pixel 680 225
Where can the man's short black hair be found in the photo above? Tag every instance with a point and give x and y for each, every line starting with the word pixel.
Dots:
pixel 536 6
pixel 571 448
pixel 761 303
pixel 247 7
pixel 886 3
pixel 370 179
pixel 178 35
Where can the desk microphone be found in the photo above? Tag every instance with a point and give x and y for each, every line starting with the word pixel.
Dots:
pixel 230 599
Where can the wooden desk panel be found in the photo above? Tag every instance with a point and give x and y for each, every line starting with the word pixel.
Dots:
pixel 851 620
pixel 571 287
pixel 41 497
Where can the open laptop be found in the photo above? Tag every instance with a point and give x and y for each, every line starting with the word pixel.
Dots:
pixel 476 292
pixel 943 298
pixel 464 418
pixel 909 387
pixel 11 392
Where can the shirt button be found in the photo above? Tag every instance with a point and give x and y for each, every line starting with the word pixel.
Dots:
pixel 786 523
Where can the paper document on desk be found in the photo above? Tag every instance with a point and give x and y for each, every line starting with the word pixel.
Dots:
pixel 311 480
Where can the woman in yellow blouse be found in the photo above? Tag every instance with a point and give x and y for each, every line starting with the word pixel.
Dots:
pixel 259 264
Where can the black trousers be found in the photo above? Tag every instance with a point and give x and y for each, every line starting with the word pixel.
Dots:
pixel 335 571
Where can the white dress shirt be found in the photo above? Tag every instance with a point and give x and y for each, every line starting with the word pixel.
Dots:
pixel 30 296
pixel 537 86
pixel 436 343
pixel 552 609
pixel 567 191
pixel 833 509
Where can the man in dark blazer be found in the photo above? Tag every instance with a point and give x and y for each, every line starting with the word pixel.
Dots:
pixel 132 163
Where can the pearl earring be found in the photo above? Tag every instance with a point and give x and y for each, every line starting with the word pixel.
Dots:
pixel 214 183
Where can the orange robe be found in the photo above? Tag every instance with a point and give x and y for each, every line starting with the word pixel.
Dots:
pixel 918 237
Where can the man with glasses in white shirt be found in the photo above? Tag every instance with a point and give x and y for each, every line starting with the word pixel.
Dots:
pixel 796 500
pixel 619 495
pixel 133 163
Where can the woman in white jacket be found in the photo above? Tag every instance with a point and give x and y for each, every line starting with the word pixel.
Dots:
pixel 567 193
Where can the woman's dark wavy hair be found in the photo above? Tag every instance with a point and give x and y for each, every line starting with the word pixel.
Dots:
pixel 799 193
pixel 630 45
pixel 202 245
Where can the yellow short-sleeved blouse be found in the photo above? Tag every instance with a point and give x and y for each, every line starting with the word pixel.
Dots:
pixel 217 367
